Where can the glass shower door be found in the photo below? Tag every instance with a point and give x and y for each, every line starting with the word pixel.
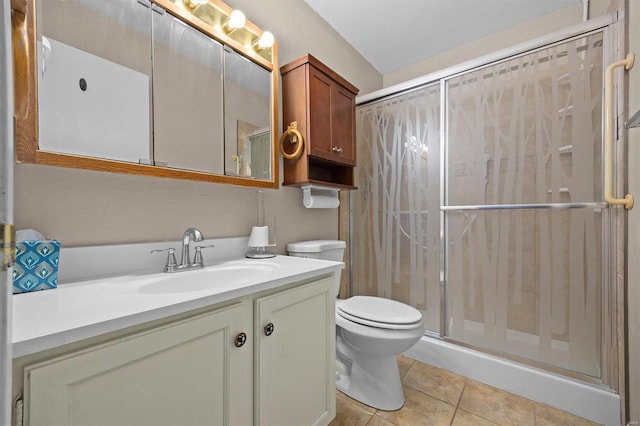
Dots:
pixel 396 229
pixel 524 224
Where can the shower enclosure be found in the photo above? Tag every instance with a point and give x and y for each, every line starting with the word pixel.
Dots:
pixel 480 204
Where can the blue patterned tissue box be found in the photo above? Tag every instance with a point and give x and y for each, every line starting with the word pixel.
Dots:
pixel 36 266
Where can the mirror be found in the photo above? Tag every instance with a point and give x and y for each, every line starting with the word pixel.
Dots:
pixel 247 115
pixel 187 97
pixel 155 88
pixel 83 78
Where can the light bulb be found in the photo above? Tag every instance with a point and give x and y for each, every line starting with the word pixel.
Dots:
pixel 236 20
pixel 265 41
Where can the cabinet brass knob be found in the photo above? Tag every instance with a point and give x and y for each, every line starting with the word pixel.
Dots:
pixel 336 149
pixel 268 329
pixel 241 339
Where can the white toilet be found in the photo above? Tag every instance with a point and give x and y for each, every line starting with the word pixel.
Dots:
pixel 370 332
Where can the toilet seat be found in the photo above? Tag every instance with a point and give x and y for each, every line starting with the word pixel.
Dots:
pixel 379 312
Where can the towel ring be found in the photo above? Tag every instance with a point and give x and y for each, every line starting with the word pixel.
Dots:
pixel 292 132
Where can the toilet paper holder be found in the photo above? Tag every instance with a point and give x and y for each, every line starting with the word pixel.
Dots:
pixel 316 196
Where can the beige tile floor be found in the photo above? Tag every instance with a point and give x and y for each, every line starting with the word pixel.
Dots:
pixel 439 397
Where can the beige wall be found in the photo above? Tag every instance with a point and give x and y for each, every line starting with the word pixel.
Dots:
pixel 85 207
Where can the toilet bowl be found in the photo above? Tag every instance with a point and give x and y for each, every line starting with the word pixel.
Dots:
pixel 370 332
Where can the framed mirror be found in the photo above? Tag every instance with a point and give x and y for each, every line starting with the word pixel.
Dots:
pixel 159 88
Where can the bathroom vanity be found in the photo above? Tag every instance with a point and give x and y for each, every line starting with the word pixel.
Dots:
pixel 238 342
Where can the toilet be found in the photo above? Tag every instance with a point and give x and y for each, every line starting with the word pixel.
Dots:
pixel 370 332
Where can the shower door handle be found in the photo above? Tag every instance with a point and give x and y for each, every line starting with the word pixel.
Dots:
pixel 609 130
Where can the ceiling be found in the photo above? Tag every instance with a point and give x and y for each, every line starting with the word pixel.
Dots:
pixel 392 35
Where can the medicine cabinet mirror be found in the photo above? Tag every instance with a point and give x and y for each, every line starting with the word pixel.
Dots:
pixel 160 88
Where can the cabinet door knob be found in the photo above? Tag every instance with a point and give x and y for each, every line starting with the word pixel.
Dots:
pixel 241 339
pixel 268 329
pixel 336 149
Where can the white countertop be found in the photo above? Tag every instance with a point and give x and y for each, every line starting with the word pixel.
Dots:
pixel 83 309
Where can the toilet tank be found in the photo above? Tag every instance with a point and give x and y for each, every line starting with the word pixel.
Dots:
pixel 318 249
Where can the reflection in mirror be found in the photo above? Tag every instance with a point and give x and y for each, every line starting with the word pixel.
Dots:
pixel 259 148
pixel 187 97
pixel 247 117
pixel 253 151
pixel 93 95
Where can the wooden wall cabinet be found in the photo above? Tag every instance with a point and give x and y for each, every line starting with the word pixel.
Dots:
pixel 323 105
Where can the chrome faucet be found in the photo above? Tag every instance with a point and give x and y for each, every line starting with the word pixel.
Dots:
pixel 185 262
pixel 189 234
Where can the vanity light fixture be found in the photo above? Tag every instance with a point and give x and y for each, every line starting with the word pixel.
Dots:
pixel 227 25
pixel 235 21
pixel 265 41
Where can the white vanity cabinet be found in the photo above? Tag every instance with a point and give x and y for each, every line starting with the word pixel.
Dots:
pixel 295 356
pixel 195 370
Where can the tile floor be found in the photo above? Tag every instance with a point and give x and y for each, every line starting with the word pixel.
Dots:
pixel 439 397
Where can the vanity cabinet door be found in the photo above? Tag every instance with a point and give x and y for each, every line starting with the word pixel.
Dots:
pixel 295 356
pixel 189 373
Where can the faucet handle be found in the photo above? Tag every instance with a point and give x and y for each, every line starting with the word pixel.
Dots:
pixel 171 264
pixel 197 259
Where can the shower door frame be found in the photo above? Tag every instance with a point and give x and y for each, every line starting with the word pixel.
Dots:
pixel 614 219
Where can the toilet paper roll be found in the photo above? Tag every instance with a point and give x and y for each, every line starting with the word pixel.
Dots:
pixel 321 202
pixel 259 236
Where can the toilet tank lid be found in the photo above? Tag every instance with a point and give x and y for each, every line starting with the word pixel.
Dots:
pixel 315 246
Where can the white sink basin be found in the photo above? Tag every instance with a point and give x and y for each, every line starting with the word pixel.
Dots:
pixel 228 273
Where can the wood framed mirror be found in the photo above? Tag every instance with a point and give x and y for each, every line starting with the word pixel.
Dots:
pixel 158 88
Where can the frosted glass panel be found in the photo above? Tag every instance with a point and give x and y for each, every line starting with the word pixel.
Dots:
pixel 517 283
pixel 527 131
pixel 396 230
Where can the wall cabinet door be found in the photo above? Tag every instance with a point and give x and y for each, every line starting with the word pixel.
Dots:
pixel 320 90
pixel 295 356
pixel 187 373
pixel 331 118
pixel 343 125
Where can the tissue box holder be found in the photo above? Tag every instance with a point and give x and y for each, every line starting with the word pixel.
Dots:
pixel 36 266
